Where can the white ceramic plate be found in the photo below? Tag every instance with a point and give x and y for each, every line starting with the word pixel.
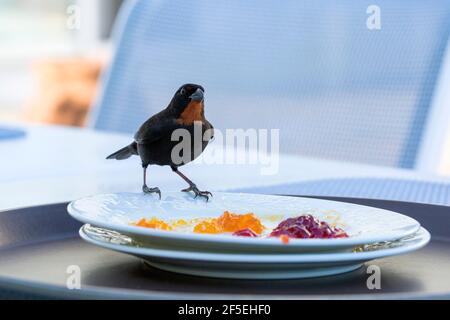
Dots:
pixel 253 266
pixel 118 211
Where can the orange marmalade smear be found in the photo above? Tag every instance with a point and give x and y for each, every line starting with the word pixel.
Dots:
pixel 230 222
pixel 284 239
pixel 153 223
pixel 207 226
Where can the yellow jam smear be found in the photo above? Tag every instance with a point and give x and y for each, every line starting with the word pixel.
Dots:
pixel 207 226
pixel 153 223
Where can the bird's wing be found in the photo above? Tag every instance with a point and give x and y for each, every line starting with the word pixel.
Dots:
pixel 209 126
pixel 154 129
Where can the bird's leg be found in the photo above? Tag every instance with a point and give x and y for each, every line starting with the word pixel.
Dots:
pixel 146 189
pixel 192 187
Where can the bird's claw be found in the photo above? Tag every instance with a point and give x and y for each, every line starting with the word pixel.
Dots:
pixel 146 189
pixel 204 194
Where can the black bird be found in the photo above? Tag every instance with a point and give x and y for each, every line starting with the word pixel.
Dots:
pixel 154 144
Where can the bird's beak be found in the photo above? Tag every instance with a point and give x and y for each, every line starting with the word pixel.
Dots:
pixel 197 95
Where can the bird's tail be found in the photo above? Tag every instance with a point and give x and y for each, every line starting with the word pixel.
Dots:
pixel 124 153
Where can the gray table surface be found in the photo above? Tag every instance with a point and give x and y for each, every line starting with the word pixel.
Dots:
pixel 35 253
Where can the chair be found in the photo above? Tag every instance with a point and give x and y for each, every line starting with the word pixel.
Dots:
pixel 409 190
pixel 313 69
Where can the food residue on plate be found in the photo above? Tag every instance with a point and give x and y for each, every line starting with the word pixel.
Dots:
pixel 307 227
pixel 155 223
pixel 230 222
pixel 247 232
pixel 249 225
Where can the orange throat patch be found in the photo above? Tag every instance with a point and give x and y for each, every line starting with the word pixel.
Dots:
pixel 193 112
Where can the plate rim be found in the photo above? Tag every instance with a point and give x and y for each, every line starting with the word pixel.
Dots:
pixel 309 273
pixel 298 258
pixel 229 240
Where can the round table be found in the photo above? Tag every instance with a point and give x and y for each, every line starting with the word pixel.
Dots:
pixel 53 164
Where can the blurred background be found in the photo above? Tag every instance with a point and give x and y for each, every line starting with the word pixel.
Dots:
pixel 49 65
pixel 338 87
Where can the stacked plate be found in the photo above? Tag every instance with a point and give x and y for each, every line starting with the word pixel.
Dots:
pixel 373 233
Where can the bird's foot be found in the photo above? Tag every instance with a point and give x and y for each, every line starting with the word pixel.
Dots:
pixel 146 189
pixel 198 193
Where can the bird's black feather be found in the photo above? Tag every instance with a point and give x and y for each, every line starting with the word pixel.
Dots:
pixel 125 152
pixel 152 141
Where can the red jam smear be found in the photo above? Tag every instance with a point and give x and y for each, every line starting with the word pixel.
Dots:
pixel 307 227
pixel 245 233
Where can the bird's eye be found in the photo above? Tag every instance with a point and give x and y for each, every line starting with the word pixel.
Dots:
pixel 182 91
